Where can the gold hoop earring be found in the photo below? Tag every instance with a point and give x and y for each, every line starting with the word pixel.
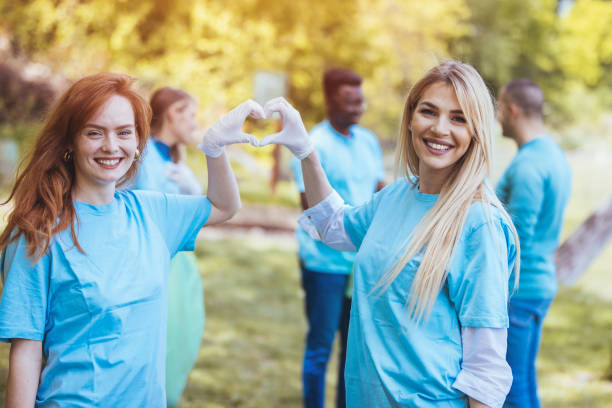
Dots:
pixel 67 156
pixel 137 155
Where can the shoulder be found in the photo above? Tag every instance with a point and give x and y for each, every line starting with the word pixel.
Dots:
pixel 320 130
pixel 365 134
pixel 483 215
pixel 138 198
pixel 401 186
pixel 526 166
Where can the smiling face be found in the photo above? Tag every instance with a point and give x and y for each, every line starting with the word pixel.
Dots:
pixel 104 150
pixel 440 133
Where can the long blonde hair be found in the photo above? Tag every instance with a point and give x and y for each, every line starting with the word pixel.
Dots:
pixel 440 229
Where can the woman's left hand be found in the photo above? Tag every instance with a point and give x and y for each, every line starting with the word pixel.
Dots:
pixel 228 130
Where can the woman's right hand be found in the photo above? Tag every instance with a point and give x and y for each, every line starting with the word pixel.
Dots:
pixel 293 135
pixel 228 129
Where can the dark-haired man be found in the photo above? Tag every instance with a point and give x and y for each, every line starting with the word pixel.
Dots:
pixel 535 189
pixel 352 160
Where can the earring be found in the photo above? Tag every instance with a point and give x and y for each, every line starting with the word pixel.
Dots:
pixel 67 156
pixel 137 155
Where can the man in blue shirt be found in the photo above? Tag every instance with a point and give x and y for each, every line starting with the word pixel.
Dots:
pixel 535 189
pixel 352 160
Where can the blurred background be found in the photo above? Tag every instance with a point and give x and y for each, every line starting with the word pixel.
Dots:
pixel 219 51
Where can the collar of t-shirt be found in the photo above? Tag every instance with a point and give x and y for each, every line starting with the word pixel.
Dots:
pixel 340 135
pixel 163 149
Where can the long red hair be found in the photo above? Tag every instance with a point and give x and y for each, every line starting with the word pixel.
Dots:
pixel 42 194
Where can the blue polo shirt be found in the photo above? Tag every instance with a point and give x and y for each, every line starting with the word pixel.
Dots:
pixel 535 189
pixel 353 166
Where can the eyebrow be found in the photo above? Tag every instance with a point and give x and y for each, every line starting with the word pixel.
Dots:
pixel 431 105
pixel 93 125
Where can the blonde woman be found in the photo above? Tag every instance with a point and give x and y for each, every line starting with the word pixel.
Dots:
pixel 434 253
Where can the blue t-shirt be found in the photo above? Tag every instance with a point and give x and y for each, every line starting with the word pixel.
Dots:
pixel 353 166
pixel 101 315
pixel 535 189
pixel 391 360
pixel 153 167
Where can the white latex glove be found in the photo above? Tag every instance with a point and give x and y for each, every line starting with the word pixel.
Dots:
pixel 182 175
pixel 293 135
pixel 227 130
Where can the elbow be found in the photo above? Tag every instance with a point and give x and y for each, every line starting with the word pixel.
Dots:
pixel 231 210
pixel 234 209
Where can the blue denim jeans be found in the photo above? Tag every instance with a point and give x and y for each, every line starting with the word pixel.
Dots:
pixel 327 311
pixel 526 317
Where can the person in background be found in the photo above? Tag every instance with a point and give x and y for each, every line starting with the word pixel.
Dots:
pixel 85 265
pixel 434 250
pixel 162 168
pixel 352 160
pixel 535 189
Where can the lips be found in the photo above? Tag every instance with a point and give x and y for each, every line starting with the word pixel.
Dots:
pixel 437 147
pixel 109 162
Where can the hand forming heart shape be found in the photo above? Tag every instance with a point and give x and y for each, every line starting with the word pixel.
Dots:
pixel 228 129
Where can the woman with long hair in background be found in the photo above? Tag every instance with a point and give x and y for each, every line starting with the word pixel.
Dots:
pixel 435 250
pixel 163 169
pixel 85 266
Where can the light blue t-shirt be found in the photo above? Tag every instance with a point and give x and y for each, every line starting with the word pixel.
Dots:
pixel 535 189
pixel 101 315
pixel 353 165
pixel 153 167
pixel 391 360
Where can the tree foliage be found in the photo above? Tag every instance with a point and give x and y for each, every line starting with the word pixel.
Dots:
pixel 212 48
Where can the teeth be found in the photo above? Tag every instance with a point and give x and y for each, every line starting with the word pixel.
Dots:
pixel 438 146
pixel 110 162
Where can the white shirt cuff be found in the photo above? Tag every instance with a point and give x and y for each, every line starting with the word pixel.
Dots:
pixel 325 222
pixel 485 375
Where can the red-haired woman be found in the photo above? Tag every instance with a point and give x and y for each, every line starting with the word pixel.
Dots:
pixel 84 265
pixel 162 169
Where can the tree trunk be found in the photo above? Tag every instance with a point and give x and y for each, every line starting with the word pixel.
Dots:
pixel 584 245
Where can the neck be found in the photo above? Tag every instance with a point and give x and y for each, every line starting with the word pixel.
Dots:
pixel 342 129
pixel 166 136
pixel 432 180
pixel 99 194
pixel 528 130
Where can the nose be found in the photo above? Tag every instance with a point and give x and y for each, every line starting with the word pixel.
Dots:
pixel 442 126
pixel 110 143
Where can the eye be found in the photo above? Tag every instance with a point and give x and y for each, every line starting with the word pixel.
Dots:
pixel 125 132
pixel 94 133
pixel 426 111
pixel 459 119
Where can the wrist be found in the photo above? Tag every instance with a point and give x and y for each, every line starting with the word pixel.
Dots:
pixel 310 157
pixel 211 150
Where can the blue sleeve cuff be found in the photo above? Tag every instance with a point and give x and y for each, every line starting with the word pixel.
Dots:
pixel 189 243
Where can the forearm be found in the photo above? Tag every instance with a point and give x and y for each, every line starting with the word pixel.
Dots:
pixel 25 362
pixel 315 181
pixel 477 404
pixel 222 186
